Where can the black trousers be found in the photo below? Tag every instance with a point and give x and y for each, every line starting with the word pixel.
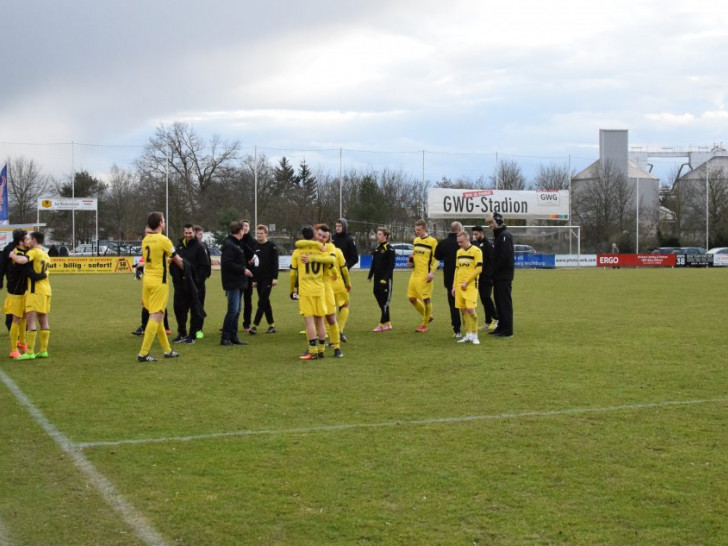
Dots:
pixel 383 295
pixel 264 308
pixel 247 304
pixel 201 293
pixel 485 290
pixel 454 311
pixel 504 306
pixel 183 307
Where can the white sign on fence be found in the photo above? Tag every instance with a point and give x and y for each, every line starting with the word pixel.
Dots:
pixel 61 203
pixel 534 205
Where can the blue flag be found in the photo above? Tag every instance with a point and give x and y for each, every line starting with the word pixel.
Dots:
pixel 4 216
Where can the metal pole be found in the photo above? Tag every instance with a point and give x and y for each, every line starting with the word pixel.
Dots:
pixel 166 189
pixel 497 171
pixel 73 199
pixel 255 182
pixel 568 172
pixel 637 234
pixel 707 209
pixel 341 181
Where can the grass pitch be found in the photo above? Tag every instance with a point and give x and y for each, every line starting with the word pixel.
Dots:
pixel 601 422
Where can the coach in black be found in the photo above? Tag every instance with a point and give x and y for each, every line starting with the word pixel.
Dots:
pixel 188 284
pixel 446 251
pixel 265 277
pixel 503 266
pixel 382 268
pixel 485 282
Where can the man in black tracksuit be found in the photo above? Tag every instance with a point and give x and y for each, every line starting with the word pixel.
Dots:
pixel 234 274
pixel 186 290
pixel 265 277
pixel 382 268
pixel 503 266
pixel 485 283
pixel 247 243
pixel 345 242
pixel 446 251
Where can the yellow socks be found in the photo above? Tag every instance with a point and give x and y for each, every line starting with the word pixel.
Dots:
pixel 30 340
pixel 44 337
pixel 342 318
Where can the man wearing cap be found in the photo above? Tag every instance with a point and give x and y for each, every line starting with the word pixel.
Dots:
pixel 502 273
pixel 485 284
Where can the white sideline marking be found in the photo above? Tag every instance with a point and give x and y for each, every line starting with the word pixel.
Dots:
pixel 414 422
pixel 4 535
pixel 131 515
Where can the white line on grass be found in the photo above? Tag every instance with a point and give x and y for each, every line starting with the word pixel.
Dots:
pixel 413 422
pixel 4 535
pixel 131 515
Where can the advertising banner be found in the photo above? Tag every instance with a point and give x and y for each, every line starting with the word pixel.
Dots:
pixel 636 260
pixel 92 264
pixel 720 260
pixel 60 203
pixel 576 260
pixel 532 205
pixel 534 261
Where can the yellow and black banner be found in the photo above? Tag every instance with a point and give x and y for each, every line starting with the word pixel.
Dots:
pixel 92 264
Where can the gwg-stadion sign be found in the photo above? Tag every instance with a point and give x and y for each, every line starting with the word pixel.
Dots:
pixel 532 205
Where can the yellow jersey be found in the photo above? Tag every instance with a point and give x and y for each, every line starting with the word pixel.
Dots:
pixel 41 262
pixel 156 250
pixel 468 265
pixel 309 276
pixel 423 256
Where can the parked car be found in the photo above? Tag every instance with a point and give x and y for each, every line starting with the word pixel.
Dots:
pixel 524 249
pixel 665 250
pixel 88 249
pixel 215 254
pixel 403 249
pixel 718 250
pixel 679 250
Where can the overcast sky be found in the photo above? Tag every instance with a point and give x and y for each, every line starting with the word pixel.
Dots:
pixel 528 78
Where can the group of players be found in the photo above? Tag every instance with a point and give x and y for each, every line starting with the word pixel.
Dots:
pixel 320 282
pixel 24 268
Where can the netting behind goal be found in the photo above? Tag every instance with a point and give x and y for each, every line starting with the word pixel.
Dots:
pixel 548 239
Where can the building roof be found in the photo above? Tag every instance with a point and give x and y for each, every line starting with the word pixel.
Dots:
pixel 634 171
pixel 714 163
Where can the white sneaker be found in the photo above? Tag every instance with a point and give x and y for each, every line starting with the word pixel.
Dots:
pixel 464 339
pixel 474 340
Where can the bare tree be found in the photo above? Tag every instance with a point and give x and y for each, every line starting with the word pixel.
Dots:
pixel 120 205
pixel 26 184
pixel 193 163
pixel 552 177
pixel 509 176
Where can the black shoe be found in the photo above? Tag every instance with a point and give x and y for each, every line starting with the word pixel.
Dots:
pixel 180 338
pixel 226 342
pixel 253 330
pixel 138 332
pixel 503 335
pixel 342 337
pixel 172 354
pixel 146 358
pixel 238 341
pixel 271 330
pixel 338 353
pixel 495 332
pixel 321 355
pixel 189 340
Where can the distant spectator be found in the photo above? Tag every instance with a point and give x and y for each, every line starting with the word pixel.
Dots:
pixel 63 251
pixel 53 251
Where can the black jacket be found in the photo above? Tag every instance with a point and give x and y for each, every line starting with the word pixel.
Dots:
pixel 267 261
pixel 503 255
pixel 447 250
pixel 233 265
pixel 347 245
pixel 195 254
pixel 486 247
pixel 383 258
pixel 17 280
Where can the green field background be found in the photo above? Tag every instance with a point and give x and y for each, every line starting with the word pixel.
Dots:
pixel 603 421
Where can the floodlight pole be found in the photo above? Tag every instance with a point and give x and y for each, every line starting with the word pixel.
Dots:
pixel 166 190
pixel 255 184
pixel 707 209
pixel 637 234
pixel 341 202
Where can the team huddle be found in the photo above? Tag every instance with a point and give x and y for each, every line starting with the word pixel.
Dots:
pixel 27 304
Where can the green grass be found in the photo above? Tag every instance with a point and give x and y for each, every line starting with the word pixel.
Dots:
pixel 601 422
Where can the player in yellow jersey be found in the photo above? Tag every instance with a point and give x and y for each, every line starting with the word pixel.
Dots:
pixel 336 281
pixel 16 283
pixel 37 295
pixel 308 262
pixel 468 265
pixel 423 264
pixel 157 249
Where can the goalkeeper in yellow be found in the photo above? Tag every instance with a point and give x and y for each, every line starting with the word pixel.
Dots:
pixel 423 264
pixel 468 265
pixel 37 295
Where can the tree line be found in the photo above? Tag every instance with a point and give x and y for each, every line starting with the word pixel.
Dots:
pixel 208 182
